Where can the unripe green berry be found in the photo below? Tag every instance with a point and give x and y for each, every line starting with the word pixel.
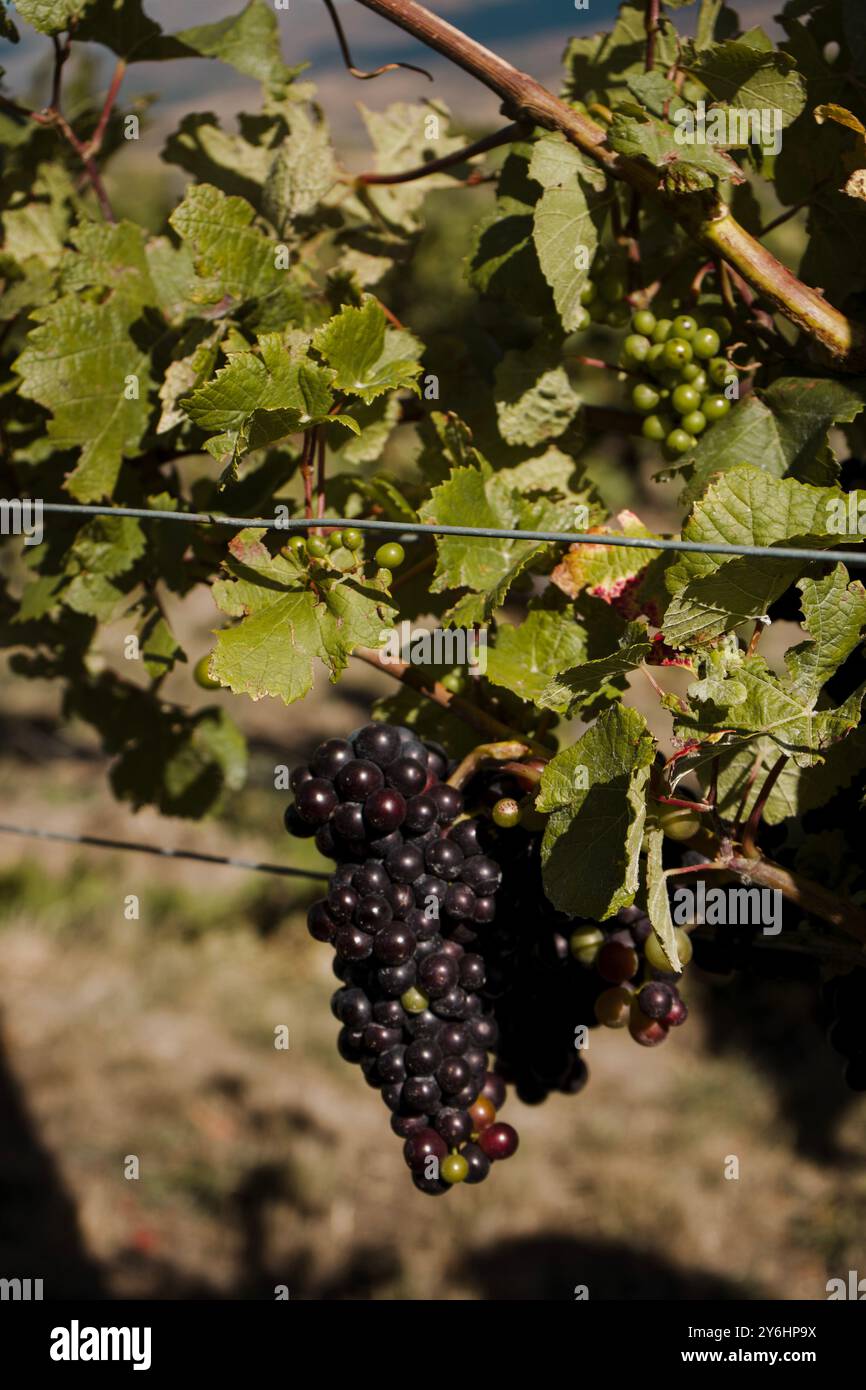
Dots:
pixel 661 332
pixel 644 397
pixel 506 813
pixel 298 546
pixel 677 352
pixel 714 407
pixel 654 427
pixel 644 321
pixel 679 441
pixel 706 342
pixel 695 422
pixel 390 555
pixel 587 294
pixel 637 347
pixel 685 398
pixel 317 547
pixel 335 540
pixel 352 539
pixel 685 326
pixel 454 1168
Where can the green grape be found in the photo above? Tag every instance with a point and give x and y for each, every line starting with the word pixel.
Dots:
pixel 685 398
pixel 384 576
pixel 654 356
pixel 454 1168
pixel 644 397
pixel 584 944
pixel 298 546
pixel 695 422
pixel 617 316
pixel 352 539
pixel 335 540
pixel 413 1001
pixel 706 342
pixel 679 441
pixel 677 352
pixel 656 957
pixel 202 676
pixel 695 376
pixel 678 822
pixel 316 547
pixel 654 428
pixel 662 330
pixel 613 1006
pixel 506 813
pixel 719 370
pixel 637 347
pixel 390 555
pixel 644 321
pixel 587 294
pixel 669 377
pixel 723 326
pixel 685 326
pixel 612 286
pixel 714 407
pixel 584 319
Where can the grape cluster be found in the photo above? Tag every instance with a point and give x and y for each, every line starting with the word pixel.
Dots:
pixel 405 906
pixel 315 548
pixel 684 375
pixel 448 949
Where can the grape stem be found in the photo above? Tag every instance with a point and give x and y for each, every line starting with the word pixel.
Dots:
pixel 763 796
pixel 506 752
pixel 476 718
pixel 705 217
pixel 507 136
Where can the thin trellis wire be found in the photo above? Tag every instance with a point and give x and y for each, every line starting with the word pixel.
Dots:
pixel 778 552
pixel 163 851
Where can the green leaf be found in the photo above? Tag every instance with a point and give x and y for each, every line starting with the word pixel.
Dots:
pixel 525 657
pixel 595 791
pixel 745 506
pixel 158 645
pixel 534 397
pixel 405 136
pixel 503 261
pixel 580 684
pixel 657 900
pixel 301 173
pixel 566 226
pixel 80 363
pixel 750 78
pixel 796 790
pixel 600 66
pixel 834 614
pixel 248 42
pixel 50 16
pixel 556 163
pixel 123 27
pixel 682 167
pixel 366 357
pixel 285 624
pixel 231 256
pixel 782 430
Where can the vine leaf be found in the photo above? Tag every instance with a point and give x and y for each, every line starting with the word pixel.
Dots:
pixel 579 685
pixel 657 900
pixel 748 77
pixel 287 624
pixel 834 615
pixel 535 400
pixel 595 792
pixel 367 357
pixel 525 657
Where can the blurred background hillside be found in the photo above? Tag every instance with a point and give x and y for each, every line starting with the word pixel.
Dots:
pixel 154 1037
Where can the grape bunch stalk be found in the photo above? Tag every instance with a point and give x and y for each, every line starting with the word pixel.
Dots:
pixel 458 977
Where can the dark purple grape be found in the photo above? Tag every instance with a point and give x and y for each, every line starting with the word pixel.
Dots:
pixel 342 902
pixel 476 1060
pixel 390 1012
pixel 421 813
pixel 460 902
pixel 405 863
pixel 453 1039
pixel 298 776
pixel 425 927
pixel 370 878
pixel 369 1066
pixel 467 1095
pixel 479 1163
pixel 485 1031
pixel 422 1095
pixel 466 836
pixel 405 1125
pixel 494 1089
pixel 352 944
pixel 423 1146
pixel 455 1126
pixel 448 800
pixel 378 1038
pixel 348 820
pixel 452 949
pixel 485 910
pixel 444 859
pixel 384 810
pixel 423 1056
pixel 436 975
pixel 380 743
pixel 328 844
pixel 433 1187
pixel 350 1045
pixel 382 847
pixel 407 776
pixel 357 779
pixel 411 746
pixel 423 1025
pixel 394 980
pixel 472 971
pixel 320 923
pixel 451 1005
pixel 301 829
pixel 343 875
pixel 655 999
pixel 392 1095
pixel 401 898
pixel 426 887
pixel 394 945
pixel 316 800
pixel 329 757
pixel 453 1074
pixel 356 1010
pixel 373 913
pixel 391 1065
pixel 482 874
pixel 437 760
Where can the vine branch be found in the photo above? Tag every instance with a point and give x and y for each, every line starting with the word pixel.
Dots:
pixel 706 217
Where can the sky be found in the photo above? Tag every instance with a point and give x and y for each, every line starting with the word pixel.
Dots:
pixel 532 34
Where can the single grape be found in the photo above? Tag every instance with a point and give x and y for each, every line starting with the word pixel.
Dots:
pixel 202 676
pixel 654 427
pixel 352 539
pixel 719 369
pixel 394 945
pixel 316 800
pixel 384 810
pixel 378 743
pixel 695 422
pixel 478 1163
pixel 677 1014
pixel 482 1113
pixel 413 1001
pixel 694 374
pixel 644 322
pixel 582 319
pixel 636 347
pixel 455 1126
pixel 706 342
pixel 685 399
pixel 616 962
pixel 584 943
pixel 655 999
pixel 444 859
pixel 335 540
pixel 678 822
pixel 297 546
pixel 647 1032
pixel 407 776
pixel 587 294
pixel 454 1169
pixel 390 555
pixel 357 779
pixel 644 397
pixel 506 813
pixel 317 547
pixel 499 1141
pixel 678 351
pixel 684 326
pixel 679 441
pixel 613 1007
pixel 661 332
pixel 423 1146
pixel 714 407
pixel 448 800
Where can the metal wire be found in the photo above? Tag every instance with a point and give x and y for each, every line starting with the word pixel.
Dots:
pixel 778 552
pixel 99 842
